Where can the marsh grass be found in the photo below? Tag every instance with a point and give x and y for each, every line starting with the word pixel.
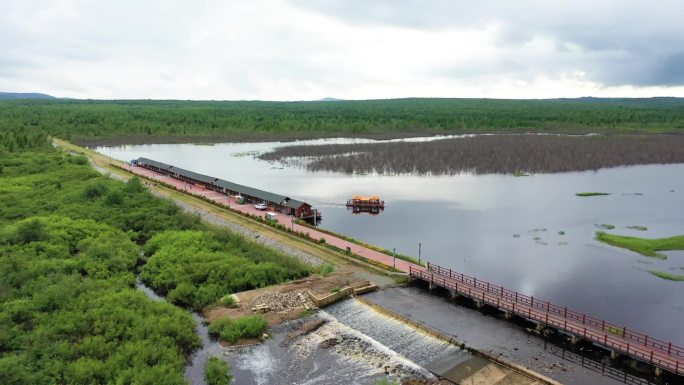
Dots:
pixel 488 154
pixel 643 246
pixel 668 276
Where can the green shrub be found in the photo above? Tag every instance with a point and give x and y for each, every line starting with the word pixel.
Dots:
pixel 217 372
pixel 326 269
pixel 78 159
pixel 31 230
pixel 228 301
pixel 134 185
pixel 114 198
pixel 95 189
pixel 244 327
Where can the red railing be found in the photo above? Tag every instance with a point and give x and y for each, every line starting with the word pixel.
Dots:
pixel 665 355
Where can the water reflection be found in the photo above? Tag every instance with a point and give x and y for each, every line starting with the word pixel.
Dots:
pixel 531 234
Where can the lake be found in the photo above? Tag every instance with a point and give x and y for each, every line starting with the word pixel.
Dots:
pixel 530 234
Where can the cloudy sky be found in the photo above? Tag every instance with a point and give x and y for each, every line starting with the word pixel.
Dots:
pixel 351 49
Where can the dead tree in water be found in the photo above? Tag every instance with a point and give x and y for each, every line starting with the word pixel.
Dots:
pixel 488 154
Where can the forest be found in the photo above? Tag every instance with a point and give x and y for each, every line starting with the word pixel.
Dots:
pixel 486 154
pixel 102 122
pixel 70 251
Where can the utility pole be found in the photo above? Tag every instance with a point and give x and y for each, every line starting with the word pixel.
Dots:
pixel 419 253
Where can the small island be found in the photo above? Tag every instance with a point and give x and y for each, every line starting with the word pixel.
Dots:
pixel 591 194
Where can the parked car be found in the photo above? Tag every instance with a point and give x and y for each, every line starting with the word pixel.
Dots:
pixel 260 206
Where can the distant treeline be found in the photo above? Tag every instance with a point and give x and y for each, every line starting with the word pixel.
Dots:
pixel 84 120
pixel 488 154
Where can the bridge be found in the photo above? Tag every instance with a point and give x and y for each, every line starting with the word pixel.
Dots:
pixel 617 338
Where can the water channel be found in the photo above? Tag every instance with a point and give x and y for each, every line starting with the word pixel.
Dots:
pixel 530 234
pixel 356 345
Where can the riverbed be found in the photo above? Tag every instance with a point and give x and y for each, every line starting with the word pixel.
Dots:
pixel 531 234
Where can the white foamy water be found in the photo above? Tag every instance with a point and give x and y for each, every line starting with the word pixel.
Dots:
pixel 415 345
pixel 356 345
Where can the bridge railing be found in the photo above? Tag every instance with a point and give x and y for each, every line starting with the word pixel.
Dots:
pixel 551 314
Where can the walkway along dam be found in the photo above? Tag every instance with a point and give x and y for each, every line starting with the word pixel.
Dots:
pixel 618 339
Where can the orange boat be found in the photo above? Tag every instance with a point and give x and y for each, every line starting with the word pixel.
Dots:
pixel 360 201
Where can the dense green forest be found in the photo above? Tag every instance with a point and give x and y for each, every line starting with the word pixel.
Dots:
pixel 85 119
pixel 70 249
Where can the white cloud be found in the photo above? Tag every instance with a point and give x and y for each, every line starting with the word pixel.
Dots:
pixel 280 50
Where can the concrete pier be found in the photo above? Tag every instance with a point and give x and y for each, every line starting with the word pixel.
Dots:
pixel 453 294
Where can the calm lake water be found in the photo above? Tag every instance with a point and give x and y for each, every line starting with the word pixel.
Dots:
pixel 530 234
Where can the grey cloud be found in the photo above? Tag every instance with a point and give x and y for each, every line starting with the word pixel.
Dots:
pixel 670 70
pixel 621 42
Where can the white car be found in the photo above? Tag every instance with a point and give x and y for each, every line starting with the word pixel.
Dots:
pixel 260 206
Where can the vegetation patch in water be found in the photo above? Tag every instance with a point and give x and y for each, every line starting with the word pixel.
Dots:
pixel 485 154
pixel 591 194
pixel 643 246
pixel 252 326
pixel 639 228
pixel 217 372
pixel 668 276
pixel 606 226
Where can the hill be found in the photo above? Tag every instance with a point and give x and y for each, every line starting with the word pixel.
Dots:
pixel 24 95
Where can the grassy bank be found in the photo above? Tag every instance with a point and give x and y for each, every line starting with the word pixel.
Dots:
pixel 145 119
pixel 643 246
